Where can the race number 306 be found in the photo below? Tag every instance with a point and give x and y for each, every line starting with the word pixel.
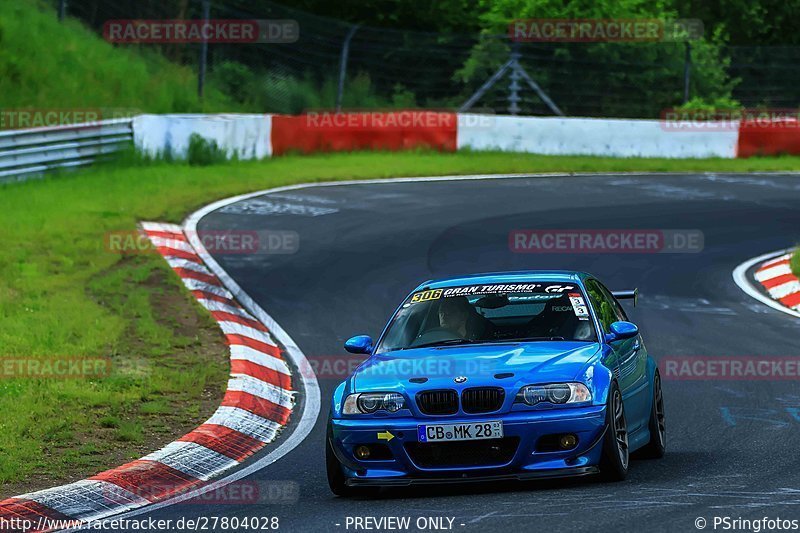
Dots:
pixel 425 296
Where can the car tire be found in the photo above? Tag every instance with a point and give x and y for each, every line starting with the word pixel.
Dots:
pixel 657 446
pixel 616 455
pixel 336 479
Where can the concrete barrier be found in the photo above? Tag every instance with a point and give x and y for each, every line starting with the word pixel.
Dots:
pixel 347 132
pixel 590 136
pixel 258 136
pixel 243 136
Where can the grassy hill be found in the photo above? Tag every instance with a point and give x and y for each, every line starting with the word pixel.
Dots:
pixel 49 64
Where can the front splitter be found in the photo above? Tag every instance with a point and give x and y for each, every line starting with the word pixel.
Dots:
pixel 522 476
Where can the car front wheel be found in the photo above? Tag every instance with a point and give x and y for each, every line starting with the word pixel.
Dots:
pixel 616 456
pixel 657 447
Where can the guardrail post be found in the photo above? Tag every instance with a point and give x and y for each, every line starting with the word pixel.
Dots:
pixel 343 66
pixel 513 87
pixel 687 71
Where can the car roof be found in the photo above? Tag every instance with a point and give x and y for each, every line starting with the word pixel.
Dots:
pixel 519 276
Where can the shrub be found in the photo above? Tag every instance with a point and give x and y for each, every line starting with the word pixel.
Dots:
pixel 203 152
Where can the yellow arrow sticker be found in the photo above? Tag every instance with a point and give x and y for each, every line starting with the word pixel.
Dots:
pixel 385 436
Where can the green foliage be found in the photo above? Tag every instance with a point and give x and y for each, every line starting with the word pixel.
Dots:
pixel 92 73
pixel 744 22
pixel 498 13
pixel 605 312
pixel 616 83
pixel 710 105
pixel 484 60
pixel 235 79
pixel 403 98
pixel 273 92
pixel 46 64
pixel 709 75
pixel 795 262
pixel 109 422
pixel 204 152
pixel 456 16
pixel 129 432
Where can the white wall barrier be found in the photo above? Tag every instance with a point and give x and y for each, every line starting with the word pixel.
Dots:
pixel 601 137
pixel 245 135
pixel 250 136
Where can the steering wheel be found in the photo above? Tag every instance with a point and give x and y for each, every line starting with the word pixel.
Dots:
pixel 437 334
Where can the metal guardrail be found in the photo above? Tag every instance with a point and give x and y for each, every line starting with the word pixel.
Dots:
pixel 27 153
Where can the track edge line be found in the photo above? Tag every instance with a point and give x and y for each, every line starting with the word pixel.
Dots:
pixel 743 282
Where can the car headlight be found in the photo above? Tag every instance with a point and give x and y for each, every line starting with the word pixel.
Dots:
pixel 554 393
pixel 370 402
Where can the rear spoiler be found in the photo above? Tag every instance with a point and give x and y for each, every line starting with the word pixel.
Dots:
pixel 627 295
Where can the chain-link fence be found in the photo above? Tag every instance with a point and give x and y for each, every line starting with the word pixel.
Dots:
pixel 335 64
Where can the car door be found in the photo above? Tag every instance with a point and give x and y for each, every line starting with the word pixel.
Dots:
pixel 605 318
pixel 631 357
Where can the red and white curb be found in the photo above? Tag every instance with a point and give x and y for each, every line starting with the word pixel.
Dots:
pixel 778 280
pixel 257 405
pixel 773 273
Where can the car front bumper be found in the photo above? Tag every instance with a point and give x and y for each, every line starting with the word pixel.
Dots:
pixel 525 461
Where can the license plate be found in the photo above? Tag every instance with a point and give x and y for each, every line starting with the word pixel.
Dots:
pixel 471 431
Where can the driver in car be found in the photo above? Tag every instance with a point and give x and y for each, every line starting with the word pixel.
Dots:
pixel 454 316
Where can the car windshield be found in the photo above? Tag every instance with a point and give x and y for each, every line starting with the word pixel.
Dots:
pixel 481 314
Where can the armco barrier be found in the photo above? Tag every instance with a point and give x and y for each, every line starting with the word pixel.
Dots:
pixel 346 132
pixel 28 152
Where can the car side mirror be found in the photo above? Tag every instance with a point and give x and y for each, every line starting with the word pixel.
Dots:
pixel 622 330
pixel 359 344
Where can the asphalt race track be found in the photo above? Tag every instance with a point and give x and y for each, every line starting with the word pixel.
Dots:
pixel 732 445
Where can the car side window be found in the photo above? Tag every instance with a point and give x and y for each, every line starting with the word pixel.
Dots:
pixel 618 310
pixel 604 309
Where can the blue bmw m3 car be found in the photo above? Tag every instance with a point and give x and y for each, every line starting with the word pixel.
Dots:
pixel 501 376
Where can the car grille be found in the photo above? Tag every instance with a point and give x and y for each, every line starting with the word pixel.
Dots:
pixel 489 452
pixel 482 399
pixel 438 402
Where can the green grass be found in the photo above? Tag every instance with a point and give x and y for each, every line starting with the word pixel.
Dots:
pixel 44 61
pixel 130 432
pixel 62 294
pixel 109 421
pixel 794 263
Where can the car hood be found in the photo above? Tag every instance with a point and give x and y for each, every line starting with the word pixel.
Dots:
pixel 499 364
